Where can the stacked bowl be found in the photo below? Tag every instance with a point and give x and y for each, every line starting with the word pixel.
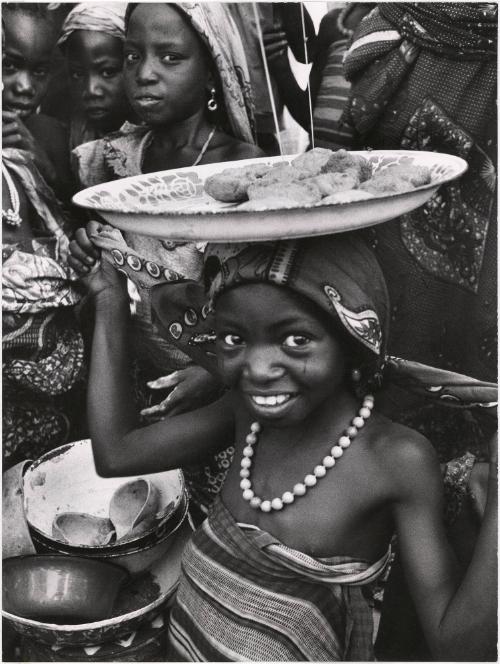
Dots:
pixel 63 495
pixel 138 524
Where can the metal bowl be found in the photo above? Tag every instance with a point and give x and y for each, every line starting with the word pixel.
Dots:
pixel 65 480
pixel 58 588
pixel 136 559
pixel 165 572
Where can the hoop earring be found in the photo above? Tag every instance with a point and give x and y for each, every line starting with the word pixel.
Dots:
pixel 212 102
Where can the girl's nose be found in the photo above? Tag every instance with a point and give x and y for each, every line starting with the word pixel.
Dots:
pixel 92 87
pixel 24 84
pixel 145 72
pixel 263 365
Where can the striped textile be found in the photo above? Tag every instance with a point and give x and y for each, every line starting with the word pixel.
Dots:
pixel 331 98
pixel 243 596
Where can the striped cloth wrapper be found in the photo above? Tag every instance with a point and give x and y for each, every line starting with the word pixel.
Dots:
pixel 244 596
pixel 331 99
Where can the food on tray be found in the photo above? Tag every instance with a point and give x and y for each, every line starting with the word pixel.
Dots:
pixel 317 176
pixel 281 173
pixel 330 183
pixel 298 192
pixel 312 161
pixel 231 184
pixel 413 173
pixel 342 161
pixel 397 179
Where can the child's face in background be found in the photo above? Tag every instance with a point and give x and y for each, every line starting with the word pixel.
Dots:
pixel 166 73
pixel 26 62
pixel 95 63
pixel 278 353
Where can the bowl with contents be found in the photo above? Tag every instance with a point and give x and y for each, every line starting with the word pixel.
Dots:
pixel 130 521
pixel 59 588
pixel 319 192
pixel 138 601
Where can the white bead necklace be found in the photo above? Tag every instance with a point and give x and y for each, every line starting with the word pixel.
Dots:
pixel 311 479
pixel 11 216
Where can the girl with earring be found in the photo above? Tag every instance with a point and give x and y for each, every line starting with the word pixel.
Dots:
pixel 186 78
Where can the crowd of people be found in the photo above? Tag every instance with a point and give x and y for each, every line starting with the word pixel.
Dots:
pixel 400 493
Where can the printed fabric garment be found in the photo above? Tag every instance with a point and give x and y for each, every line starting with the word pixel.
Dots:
pixel 243 596
pixel 42 348
pixel 424 78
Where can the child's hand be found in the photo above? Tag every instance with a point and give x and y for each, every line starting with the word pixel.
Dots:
pixel 193 387
pixel 97 275
pixel 15 134
pixel 276 47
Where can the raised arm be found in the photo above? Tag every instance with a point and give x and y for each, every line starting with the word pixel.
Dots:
pixel 458 615
pixel 120 446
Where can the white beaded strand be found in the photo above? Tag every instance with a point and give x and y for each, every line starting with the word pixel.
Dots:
pixel 11 216
pixel 310 479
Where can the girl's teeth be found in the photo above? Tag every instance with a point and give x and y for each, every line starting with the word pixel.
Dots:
pixel 274 400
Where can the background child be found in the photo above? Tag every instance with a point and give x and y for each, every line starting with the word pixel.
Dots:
pixel 30 39
pixel 187 80
pixel 92 40
pixel 275 573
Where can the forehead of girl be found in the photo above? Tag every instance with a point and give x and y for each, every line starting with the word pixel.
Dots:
pixel 159 25
pixel 269 303
pixel 90 45
pixel 29 37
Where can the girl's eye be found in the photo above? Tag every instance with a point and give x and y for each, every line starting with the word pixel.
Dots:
pixel 41 72
pixel 8 66
pixel 170 57
pixel 232 340
pixel 109 73
pixel 296 341
pixel 131 57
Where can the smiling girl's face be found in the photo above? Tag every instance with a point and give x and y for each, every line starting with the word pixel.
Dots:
pixel 166 66
pixel 278 352
pixel 95 62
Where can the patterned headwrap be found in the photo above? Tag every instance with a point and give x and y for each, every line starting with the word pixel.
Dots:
pixel 217 30
pixel 338 273
pixel 341 275
pixel 107 17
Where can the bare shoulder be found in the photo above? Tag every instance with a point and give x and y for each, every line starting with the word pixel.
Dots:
pixel 405 456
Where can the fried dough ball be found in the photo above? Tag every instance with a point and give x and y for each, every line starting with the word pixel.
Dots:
pixel 231 184
pixel 329 183
pixel 385 182
pixel 281 173
pixel 415 174
pixel 311 162
pixel 342 161
pixel 299 192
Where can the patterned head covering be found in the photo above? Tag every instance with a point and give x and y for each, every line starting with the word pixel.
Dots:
pixel 107 17
pixel 217 30
pixel 338 273
pixel 341 275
